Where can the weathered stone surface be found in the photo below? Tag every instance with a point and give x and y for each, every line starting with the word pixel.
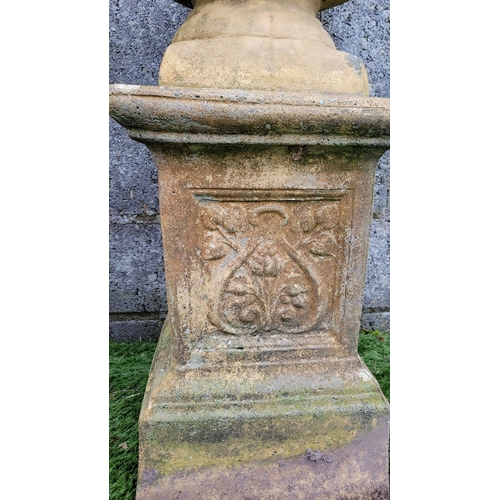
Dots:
pixel 268 218
pixel 266 175
pixel 341 473
pixel 284 45
pixel 139 34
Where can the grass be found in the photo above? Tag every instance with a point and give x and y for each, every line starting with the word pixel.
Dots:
pixel 374 349
pixel 129 366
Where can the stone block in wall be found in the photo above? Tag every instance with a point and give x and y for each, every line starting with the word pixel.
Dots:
pixel 137 275
pixel 139 33
pixel 129 329
pixel 375 321
pixel 133 178
pixel 376 298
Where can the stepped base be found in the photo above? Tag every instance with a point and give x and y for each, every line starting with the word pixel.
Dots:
pixel 263 430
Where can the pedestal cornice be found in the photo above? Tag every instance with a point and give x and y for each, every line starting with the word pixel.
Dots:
pixel 222 116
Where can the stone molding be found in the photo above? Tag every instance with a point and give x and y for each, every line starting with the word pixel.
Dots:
pixel 157 114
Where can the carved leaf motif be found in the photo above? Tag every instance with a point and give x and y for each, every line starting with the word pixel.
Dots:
pixel 268 292
pixel 241 284
pixel 210 216
pixel 214 247
pixel 269 283
pixel 323 245
pixel 215 217
pixel 243 308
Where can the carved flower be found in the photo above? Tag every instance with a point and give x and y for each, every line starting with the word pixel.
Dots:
pixel 327 216
pixel 241 304
pixel 242 309
pixel 303 219
pixel 238 286
pixel 249 314
pixel 293 294
pixel 292 299
pixel 266 261
pixel 287 314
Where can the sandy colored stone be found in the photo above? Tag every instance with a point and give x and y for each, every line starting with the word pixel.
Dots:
pixel 266 215
pixel 262 45
pixel 266 147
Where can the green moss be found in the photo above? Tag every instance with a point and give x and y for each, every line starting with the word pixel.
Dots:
pixel 217 440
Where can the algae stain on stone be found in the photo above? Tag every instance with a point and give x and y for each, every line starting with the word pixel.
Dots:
pixel 281 439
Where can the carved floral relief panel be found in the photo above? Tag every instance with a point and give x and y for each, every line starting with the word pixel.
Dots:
pixel 272 258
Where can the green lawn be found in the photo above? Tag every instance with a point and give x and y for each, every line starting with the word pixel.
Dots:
pixel 129 366
pixel 128 373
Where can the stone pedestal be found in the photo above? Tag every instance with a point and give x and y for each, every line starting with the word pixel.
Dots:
pixel 256 389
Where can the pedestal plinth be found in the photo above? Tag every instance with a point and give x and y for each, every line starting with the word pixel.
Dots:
pixel 256 389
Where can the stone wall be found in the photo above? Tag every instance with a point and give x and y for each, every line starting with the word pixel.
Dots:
pixel 139 32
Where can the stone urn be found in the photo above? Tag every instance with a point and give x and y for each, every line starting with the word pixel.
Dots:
pixel 261 45
pixel 266 143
